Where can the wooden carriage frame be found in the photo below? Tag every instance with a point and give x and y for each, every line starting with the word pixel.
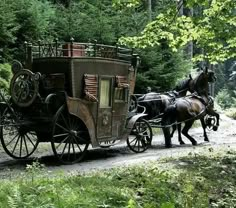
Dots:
pixel 72 95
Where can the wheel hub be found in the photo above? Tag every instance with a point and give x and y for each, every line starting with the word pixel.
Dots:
pixel 22 131
pixel 73 133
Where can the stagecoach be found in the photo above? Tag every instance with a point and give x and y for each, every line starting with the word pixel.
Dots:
pixel 72 95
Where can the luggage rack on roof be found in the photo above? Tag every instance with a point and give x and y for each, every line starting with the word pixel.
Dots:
pixel 76 49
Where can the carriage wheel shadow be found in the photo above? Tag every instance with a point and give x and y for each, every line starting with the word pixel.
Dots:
pixel 92 155
pixel 50 160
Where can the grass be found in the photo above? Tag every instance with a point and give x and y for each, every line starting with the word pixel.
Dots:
pixel 231 112
pixel 199 180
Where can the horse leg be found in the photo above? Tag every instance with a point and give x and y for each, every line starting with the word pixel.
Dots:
pixel 173 131
pixel 166 132
pixel 179 134
pixel 204 130
pixel 185 130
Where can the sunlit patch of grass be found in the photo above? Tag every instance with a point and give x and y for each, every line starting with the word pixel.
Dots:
pixel 202 179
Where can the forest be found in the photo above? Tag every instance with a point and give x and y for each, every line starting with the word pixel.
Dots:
pixel 173 38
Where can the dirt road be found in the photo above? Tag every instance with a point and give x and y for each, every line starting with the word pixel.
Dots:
pixel 120 155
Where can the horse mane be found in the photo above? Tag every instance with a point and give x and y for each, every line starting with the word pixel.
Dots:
pixel 183 84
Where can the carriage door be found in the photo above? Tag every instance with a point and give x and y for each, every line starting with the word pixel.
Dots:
pixel 104 119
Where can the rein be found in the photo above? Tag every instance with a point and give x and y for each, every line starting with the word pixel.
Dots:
pixel 176 123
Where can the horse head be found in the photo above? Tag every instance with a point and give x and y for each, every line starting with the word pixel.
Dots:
pixel 200 83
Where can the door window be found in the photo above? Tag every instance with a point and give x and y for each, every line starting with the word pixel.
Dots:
pixel 105 93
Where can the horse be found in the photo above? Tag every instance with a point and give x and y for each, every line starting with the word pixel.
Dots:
pixel 188 109
pixel 154 104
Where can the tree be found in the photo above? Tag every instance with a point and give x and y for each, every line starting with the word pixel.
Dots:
pixel 214 30
pixel 161 69
pixel 5 76
pixel 8 28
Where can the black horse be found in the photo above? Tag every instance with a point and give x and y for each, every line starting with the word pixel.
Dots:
pixel 154 104
pixel 188 109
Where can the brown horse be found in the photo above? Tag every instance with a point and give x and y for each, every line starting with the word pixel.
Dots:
pixel 188 109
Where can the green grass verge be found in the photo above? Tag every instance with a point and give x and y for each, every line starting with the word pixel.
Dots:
pixel 195 181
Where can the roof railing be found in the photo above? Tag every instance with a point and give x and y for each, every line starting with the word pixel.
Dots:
pixel 76 49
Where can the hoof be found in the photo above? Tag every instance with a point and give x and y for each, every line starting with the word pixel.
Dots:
pixel 215 128
pixel 194 143
pixel 206 140
pixel 168 145
pixel 181 143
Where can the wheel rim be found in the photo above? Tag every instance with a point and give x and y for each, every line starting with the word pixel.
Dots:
pixel 69 141
pixel 18 141
pixel 141 136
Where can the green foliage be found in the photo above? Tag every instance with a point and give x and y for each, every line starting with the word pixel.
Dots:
pixel 206 180
pixel 161 69
pixel 34 169
pixel 125 3
pixel 225 99
pixel 231 112
pixel 8 28
pixel 216 36
pixel 5 76
pixel 86 20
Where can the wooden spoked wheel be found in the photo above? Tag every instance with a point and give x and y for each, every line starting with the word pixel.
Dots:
pixel 141 136
pixel 70 138
pixel 17 140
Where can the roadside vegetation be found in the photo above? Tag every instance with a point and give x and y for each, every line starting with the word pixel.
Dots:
pixel 226 99
pixel 199 180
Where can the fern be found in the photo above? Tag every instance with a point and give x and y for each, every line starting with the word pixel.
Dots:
pixel 15 200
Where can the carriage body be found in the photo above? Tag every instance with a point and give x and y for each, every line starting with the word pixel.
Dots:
pixel 85 86
pixel 97 87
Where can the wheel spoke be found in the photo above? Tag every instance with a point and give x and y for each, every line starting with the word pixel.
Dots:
pixel 81 139
pixel 135 144
pixel 133 140
pixel 26 147
pixel 15 144
pixel 16 141
pixel 139 145
pixel 12 140
pixel 78 145
pixel 143 133
pixel 61 135
pixel 68 155
pixel 21 141
pixel 66 130
pixel 73 147
pixel 65 122
pixel 62 142
pixel 63 150
pixel 30 140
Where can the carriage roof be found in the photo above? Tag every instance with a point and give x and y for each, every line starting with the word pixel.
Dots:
pixel 75 60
